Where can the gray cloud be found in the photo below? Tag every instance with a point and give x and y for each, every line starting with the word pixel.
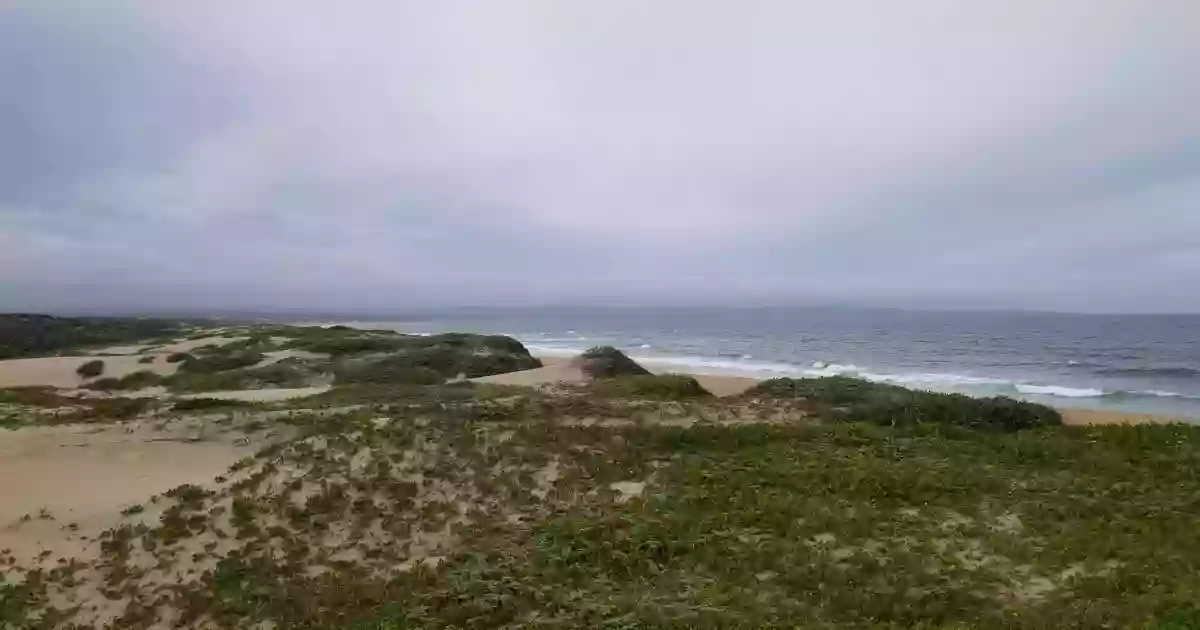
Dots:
pixel 390 155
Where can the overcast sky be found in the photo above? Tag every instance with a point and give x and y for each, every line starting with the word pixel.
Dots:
pixel 384 154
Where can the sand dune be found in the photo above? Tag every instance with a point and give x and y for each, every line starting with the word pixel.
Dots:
pixel 85 476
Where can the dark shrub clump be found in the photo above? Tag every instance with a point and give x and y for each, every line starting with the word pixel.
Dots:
pixel 146 360
pixel 105 384
pixel 286 373
pixel 219 362
pixel 91 369
pixel 178 356
pixel 655 386
pixel 434 359
pixel 608 362
pixel 136 380
pixel 858 400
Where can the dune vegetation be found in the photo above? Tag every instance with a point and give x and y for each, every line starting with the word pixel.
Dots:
pixel 406 497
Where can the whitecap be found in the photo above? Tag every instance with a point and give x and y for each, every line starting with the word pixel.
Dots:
pixel 1060 391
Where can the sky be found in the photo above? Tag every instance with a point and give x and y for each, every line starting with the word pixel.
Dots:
pixel 390 155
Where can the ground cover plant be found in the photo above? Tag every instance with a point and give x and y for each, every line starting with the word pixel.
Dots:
pixel 642 502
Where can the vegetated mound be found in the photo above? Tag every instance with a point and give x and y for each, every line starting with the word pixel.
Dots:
pixel 652 386
pixel 858 400
pixel 608 362
pixel 131 381
pixel 28 335
pixel 287 373
pixel 434 359
pixel 91 369
pixel 219 362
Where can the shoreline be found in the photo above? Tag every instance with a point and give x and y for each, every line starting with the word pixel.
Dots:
pixel 558 369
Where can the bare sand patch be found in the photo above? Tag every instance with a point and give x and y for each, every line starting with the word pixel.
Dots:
pixel 553 371
pixel 279 355
pixel 60 371
pixel 74 480
pixel 189 345
pixel 1097 416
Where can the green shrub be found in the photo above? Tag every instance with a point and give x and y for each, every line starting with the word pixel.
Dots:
pixel 140 379
pixel 135 380
pixel 104 384
pixel 390 370
pixel 832 390
pixel 858 400
pixel 91 369
pixel 608 362
pixel 287 373
pixel 119 408
pixel 655 386
pixel 146 360
pixel 341 345
pixel 178 357
pixel 29 335
pixel 219 362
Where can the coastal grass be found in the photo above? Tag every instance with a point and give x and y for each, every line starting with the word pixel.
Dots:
pixel 544 523
pixel 636 501
pixel 655 386
pixel 858 400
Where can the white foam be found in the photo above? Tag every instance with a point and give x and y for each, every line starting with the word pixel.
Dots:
pixel 1162 394
pixel 1059 391
pixel 818 369
pixel 724 366
pixel 554 351
pixel 645 346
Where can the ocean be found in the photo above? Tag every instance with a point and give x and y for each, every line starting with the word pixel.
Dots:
pixel 1140 363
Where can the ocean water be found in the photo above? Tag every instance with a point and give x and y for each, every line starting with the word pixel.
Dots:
pixel 1129 363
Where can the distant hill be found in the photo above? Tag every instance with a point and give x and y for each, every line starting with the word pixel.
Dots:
pixel 28 335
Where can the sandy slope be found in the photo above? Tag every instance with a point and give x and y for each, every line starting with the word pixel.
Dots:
pixel 85 475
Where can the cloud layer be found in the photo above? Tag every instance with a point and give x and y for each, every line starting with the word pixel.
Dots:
pixel 390 155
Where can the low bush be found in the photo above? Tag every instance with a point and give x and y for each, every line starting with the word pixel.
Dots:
pixel 654 386
pixel 178 357
pixel 219 362
pixel 91 369
pixel 286 373
pixel 140 379
pixel 858 400
pixel 135 380
pixel 146 360
pixel 104 384
pixel 341 345
pixel 392 370
pixel 608 362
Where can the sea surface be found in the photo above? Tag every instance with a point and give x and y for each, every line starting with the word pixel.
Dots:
pixel 1129 363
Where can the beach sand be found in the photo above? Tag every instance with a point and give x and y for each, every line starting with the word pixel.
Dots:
pixel 59 484
pixel 560 370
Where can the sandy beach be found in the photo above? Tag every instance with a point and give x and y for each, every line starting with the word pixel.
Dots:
pixel 560 370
